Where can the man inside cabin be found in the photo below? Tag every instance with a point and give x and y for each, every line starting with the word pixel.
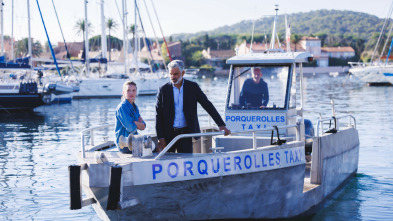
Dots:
pixel 255 92
pixel 176 110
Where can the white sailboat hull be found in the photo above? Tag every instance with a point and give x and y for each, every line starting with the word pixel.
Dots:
pixel 111 88
pixel 373 74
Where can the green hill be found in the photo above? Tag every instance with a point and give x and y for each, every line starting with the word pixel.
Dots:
pixel 330 22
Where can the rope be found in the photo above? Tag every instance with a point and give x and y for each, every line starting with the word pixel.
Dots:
pixel 144 39
pixel 155 36
pixel 162 33
pixel 383 29
pixel 61 30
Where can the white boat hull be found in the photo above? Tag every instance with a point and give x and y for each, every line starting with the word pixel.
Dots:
pixel 109 88
pixel 373 74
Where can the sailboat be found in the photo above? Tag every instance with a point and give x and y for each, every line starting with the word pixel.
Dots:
pixel 104 86
pixel 20 93
pixel 376 73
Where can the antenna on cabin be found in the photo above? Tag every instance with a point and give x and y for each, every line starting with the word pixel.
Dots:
pixel 273 42
pixel 252 35
pixel 288 34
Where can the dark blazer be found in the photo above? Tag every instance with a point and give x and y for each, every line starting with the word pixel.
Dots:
pixel 165 109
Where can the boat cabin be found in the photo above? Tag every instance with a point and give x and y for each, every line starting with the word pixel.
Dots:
pixel 262 93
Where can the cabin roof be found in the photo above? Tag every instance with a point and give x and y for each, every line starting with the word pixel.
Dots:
pixel 270 58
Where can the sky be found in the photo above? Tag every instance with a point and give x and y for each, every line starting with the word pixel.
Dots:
pixel 175 16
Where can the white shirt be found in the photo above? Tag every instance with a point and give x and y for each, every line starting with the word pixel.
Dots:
pixel 180 120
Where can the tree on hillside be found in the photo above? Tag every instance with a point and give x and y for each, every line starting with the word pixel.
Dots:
pixel 206 41
pixel 111 25
pixel 197 59
pixel 22 48
pixel 322 37
pixel 188 49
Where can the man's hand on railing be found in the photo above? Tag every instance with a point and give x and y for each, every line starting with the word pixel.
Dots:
pixel 225 129
pixel 161 144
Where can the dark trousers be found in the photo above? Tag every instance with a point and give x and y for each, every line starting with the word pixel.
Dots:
pixel 183 145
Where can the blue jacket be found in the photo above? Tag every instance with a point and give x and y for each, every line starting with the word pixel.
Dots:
pixel 254 94
pixel 126 114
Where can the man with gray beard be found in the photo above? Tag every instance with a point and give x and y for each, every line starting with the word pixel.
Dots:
pixel 176 110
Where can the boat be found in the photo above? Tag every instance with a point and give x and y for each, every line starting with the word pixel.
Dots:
pixel 275 164
pixel 62 92
pixel 372 74
pixel 376 72
pixel 260 171
pixel 109 85
pixel 22 96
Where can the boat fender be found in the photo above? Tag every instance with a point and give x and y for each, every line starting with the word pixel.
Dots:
pixel 75 187
pixel 114 188
pixel 332 130
pixel 309 128
pixel 309 135
pixel 279 141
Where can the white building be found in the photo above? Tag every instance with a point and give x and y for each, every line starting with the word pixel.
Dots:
pixel 339 52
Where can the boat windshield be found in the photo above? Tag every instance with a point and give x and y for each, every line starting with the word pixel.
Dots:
pixel 259 87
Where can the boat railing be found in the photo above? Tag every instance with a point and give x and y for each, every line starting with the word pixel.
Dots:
pixel 90 131
pixel 254 133
pixel 359 64
pixel 335 120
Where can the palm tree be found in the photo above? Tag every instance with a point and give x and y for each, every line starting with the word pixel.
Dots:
pixel 295 39
pixel 132 30
pixel 80 29
pixel 110 24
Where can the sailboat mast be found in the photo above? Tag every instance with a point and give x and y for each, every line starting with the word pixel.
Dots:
pixel 273 41
pixel 162 33
pixel 287 34
pixel 125 36
pixel 103 33
pixel 29 40
pixel 12 32
pixel 155 35
pixel 127 31
pixel 2 25
pixel 86 41
pixel 136 40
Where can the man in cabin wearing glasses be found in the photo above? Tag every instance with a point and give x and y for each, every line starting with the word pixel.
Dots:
pixel 176 110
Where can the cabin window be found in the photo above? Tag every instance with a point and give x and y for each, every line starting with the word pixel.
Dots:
pixel 259 87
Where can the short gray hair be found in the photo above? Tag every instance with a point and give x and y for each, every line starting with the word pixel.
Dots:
pixel 176 64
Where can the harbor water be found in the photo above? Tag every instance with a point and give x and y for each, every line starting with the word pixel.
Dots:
pixel 37 147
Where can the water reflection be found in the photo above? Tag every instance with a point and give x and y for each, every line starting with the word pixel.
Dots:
pixel 37 147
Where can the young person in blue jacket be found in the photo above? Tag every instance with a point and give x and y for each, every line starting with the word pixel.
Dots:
pixel 128 119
